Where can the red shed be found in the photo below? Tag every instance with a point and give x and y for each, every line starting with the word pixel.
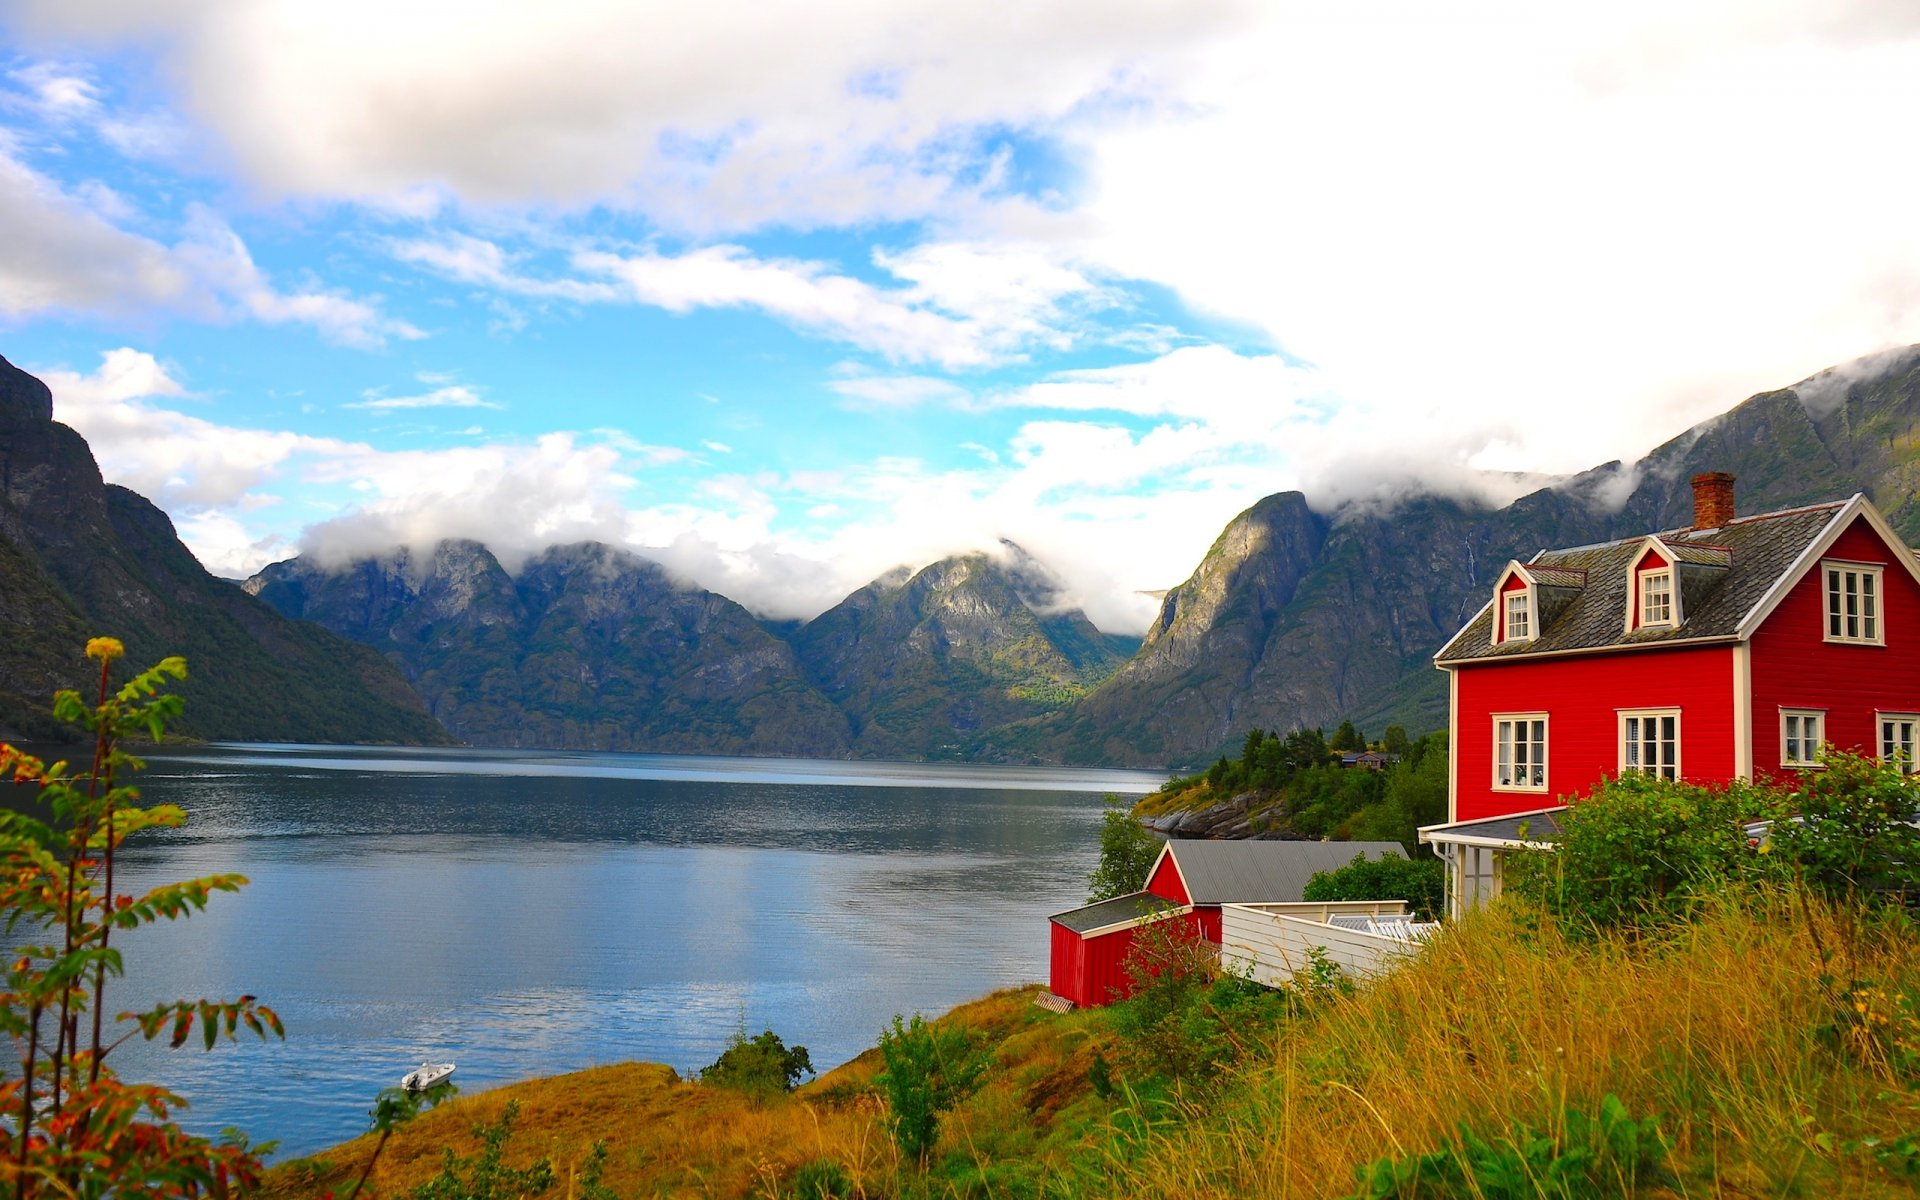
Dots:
pixel 1190 880
pixel 1733 649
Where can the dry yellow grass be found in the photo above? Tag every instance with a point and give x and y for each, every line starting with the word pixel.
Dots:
pixel 668 1136
pixel 1715 1031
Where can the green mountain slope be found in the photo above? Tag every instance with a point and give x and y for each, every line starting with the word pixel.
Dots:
pixel 80 557
pixel 928 663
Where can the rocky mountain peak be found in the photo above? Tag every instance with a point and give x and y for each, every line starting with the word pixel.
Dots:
pixel 24 400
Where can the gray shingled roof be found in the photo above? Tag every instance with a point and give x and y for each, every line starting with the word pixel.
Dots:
pixel 1730 570
pixel 1539 827
pixel 1112 912
pixel 1245 872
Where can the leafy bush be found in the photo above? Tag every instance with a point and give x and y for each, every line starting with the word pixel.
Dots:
pixel 1640 852
pixel 1587 1157
pixel 820 1179
pixel 484 1176
pixel 762 1065
pixel 929 1069
pixel 1183 1020
pixel 74 1125
pixel 1421 882
pixel 1127 852
pixel 1847 832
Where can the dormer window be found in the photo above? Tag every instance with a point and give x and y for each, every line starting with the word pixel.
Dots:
pixel 1656 597
pixel 1519 626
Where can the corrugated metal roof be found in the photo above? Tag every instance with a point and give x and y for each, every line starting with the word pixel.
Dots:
pixel 1521 827
pixel 1760 550
pixel 1116 911
pixel 1244 872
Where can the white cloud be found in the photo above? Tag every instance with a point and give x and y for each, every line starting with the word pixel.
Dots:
pixel 57 91
pixel 1572 234
pixel 453 395
pixel 220 260
pixel 900 391
pixel 61 255
pixel 180 462
pixel 813 113
pixel 964 306
pixel 65 253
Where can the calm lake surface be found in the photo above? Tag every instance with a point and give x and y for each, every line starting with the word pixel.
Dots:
pixel 528 913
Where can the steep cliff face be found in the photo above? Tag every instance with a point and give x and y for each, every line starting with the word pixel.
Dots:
pixel 1298 618
pixel 589 647
pixel 79 557
pixel 927 663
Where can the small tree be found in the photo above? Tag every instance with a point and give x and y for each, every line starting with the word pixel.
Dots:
pixel 1127 852
pixel 759 1066
pixel 1421 882
pixel 1347 738
pixel 76 1129
pixel 929 1069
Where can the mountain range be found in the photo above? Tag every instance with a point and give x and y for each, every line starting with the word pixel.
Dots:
pixel 1295 615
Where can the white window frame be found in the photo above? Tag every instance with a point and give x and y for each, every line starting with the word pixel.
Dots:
pixel 1525 612
pixel 1523 722
pixel 1638 716
pixel 1889 746
pixel 1647 619
pixel 1867 626
pixel 1808 757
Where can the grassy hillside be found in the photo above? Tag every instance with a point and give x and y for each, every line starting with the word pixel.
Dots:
pixel 1720 1035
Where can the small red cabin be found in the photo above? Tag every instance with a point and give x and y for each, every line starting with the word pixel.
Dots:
pixel 1734 649
pixel 1189 881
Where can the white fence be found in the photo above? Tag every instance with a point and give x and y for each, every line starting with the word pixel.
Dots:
pixel 1270 942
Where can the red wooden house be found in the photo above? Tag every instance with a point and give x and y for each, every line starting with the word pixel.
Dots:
pixel 1734 649
pixel 1188 882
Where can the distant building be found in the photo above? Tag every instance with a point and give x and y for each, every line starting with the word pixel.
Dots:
pixel 1733 649
pixel 1368 760
pixel 1189 881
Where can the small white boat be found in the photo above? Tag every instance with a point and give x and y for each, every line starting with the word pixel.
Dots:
pixel 428 1075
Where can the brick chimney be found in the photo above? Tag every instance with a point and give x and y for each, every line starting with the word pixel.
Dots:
pixel 1712 499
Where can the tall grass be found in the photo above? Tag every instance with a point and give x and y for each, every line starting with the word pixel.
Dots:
pixel 1716 1027
pixel 1771 1075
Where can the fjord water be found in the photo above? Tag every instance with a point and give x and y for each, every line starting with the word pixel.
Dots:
pixel 530 913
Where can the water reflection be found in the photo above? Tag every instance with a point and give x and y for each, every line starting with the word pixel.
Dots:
pixel 532 915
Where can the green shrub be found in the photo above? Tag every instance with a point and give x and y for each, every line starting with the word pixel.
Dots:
pixel 484 1176
pixel 1846 832
pixel 929 1069
pixel 1183 1020
pixel 759 1066
pixel 69 1119
pixel 1587 1157
pixel 1421 882
pixel 820 1179
pixel 1640 852
pixel 1127 852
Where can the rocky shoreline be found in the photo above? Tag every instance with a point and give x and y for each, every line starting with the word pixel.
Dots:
pixel 1240 818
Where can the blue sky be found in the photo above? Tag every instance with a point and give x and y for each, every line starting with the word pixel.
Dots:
pixel 786 299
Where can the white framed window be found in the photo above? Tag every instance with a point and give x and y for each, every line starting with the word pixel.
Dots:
pixel 1897 739
pixel 1853 603
pixel 1656 597
pixel 1520 752
pixel 1802 732
pixel 1518 608
pixel 1650 742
